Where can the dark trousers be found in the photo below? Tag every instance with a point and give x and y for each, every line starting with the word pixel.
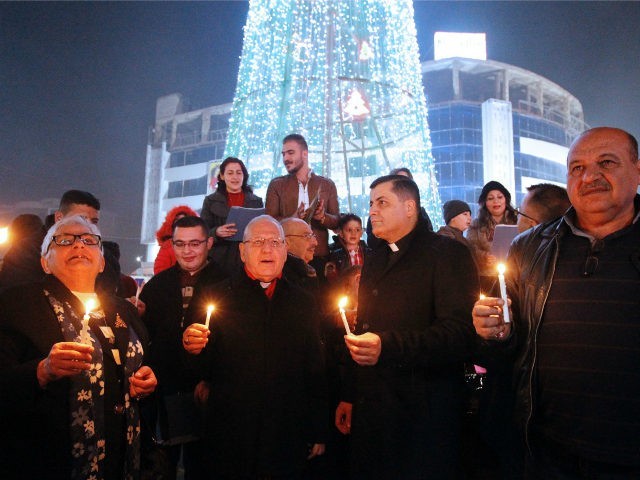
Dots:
pixel 191 460
pixel 555 463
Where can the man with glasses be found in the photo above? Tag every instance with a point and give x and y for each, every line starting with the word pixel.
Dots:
pixel 301 244
pixel 261 353
pixel 574 285
pixel 542 203
pixel 167 296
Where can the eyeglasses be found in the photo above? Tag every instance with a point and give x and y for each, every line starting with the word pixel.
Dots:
pixel 519 212
pixel 308 236
pixel 261 242
pixel 179 244
pixel 68 239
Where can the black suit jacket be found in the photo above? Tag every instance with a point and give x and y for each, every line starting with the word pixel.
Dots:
pixel 163 318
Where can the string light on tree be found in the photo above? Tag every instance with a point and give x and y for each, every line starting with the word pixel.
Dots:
pixel 298 57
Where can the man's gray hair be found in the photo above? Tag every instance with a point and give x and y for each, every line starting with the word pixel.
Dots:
pixel 64 221
pixel 247 231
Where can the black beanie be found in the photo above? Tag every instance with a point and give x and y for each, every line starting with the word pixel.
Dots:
pixel 493 185
pixel 453 208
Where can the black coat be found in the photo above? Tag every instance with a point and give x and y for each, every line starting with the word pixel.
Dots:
pixel 163 318
pixel 407 407
pixel 35 422
pixel 215 211
pixel 268 392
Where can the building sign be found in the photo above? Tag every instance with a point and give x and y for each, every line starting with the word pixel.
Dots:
pixel 465 45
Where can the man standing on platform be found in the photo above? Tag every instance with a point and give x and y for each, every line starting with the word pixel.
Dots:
pixel 412 337
pixel 292 195
pixel 574 285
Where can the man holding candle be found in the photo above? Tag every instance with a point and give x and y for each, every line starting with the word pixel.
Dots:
pixel 575 291
pixel 412 335
pixel 267 411
pixel 167 296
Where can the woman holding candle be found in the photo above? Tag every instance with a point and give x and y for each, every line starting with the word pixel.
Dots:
pixel 495 209
pixel 71 406
pixel 233 191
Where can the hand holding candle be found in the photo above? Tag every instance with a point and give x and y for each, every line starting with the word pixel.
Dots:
pixel 138 290
pixel 210 309
pixel 503 293
pixel 341 304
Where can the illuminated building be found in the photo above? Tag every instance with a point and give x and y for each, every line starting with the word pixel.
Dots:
pixel 494 121
pixel 488 121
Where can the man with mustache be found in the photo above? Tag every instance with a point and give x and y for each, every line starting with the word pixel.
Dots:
pixel 574 287
pixel 292 195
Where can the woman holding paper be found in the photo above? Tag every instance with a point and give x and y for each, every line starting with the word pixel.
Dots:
pixel 71 368
pixel 495 209
pixel 232 191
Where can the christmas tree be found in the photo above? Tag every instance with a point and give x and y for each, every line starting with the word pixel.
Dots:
pixel 346 75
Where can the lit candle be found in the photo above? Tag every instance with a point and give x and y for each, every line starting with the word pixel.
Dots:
pixel 341 304
pixel 85 337
pixel 482 296
pixel 210 310
pixel 503 293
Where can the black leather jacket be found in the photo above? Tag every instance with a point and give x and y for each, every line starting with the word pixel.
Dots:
pixel 532 262
pixel 531 266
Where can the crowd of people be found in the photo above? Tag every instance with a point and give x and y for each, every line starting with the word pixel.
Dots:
pixel 237 360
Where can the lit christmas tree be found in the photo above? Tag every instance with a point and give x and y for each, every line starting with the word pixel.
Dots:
pixel 346 75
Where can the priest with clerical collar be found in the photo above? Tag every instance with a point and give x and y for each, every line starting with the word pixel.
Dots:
pixel 413 332
pixel 261 353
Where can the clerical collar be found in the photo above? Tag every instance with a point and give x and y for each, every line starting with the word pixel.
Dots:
pixel 265 284
pixel 403 243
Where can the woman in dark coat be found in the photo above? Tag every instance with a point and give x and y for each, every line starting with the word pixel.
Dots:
pixel 70 383
pixel 233 191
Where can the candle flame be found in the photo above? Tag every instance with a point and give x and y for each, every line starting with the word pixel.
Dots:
pixel 482 296
pixel 90 305
pixel 501 268
pixel 210 309
pixel 342 303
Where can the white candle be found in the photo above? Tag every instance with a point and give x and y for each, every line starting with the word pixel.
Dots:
pixel 85 337
pixel 503 293
pixel 138 290
pixel 210 310
pixel 341 304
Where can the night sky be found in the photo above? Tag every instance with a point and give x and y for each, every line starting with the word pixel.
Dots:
pixel 79 80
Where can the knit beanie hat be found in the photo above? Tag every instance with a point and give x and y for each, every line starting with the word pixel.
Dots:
pixel 493 185
pixel 453 208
